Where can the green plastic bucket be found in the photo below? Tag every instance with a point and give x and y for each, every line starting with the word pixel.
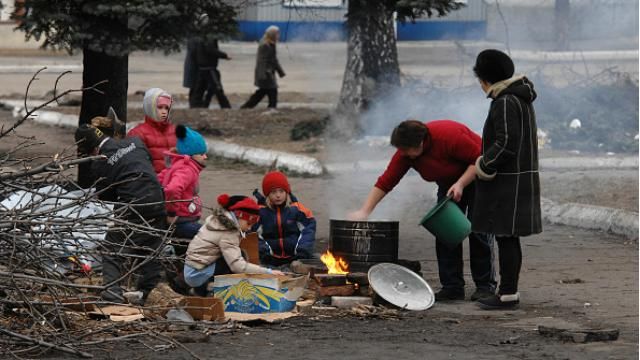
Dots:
pixel 447 223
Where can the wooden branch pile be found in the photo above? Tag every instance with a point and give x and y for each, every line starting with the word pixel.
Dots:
pixel 51 242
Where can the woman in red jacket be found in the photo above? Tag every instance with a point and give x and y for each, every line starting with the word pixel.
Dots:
pixel 445 152
pixel 156 132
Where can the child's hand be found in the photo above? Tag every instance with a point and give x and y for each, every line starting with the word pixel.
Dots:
pixel 276 272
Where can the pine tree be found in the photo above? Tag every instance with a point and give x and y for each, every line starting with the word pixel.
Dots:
pixel 107 31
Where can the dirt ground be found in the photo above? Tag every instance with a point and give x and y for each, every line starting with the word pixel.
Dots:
pixel 570 277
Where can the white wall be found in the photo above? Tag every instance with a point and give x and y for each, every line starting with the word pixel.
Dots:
pixel 7 9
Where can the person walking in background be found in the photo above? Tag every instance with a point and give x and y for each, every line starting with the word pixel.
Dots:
pixel 157 132
pixel 208 81
pixel 267 66
pixel 190 72
pixel 508 186
pixel 443 151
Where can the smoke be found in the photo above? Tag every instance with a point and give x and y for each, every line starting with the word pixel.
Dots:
pixel 421 101
pixel 563 24
pixel 578 82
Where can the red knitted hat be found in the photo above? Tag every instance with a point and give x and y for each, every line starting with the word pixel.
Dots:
pixel 242 206
pixel 275 180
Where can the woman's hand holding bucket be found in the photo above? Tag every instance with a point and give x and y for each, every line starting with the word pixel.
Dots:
pixel 455 191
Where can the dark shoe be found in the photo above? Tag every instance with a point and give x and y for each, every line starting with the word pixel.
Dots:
pixel 500 302
pixel 446 294
pixel 480 294
pixel 113 295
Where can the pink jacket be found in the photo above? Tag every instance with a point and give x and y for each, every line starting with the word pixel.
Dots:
pixel 158 137
pixel 181 181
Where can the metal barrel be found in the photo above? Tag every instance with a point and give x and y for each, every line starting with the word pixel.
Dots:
pixel 364 241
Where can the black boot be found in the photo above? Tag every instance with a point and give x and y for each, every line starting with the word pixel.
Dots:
pixel 500 302
pixel 449 294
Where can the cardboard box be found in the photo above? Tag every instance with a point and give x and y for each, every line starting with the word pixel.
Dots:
pixel 258 293
pixel 203 308
pixel 250 248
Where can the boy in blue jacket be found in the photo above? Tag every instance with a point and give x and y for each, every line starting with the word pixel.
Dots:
pixel 287 229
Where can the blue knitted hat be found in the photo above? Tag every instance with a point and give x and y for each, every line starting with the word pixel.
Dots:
pixel 189 142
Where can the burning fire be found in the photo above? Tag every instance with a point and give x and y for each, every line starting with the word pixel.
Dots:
pixel 335 265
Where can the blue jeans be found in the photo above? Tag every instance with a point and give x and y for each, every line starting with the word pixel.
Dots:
pixel 450 264
pixel 187 229
pixel 198 279
pixel 194 277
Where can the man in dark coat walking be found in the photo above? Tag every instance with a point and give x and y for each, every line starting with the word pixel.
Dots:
pixel 508 186
pixel 208 82
pixel 190 72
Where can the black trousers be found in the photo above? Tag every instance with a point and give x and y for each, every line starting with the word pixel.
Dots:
pixel 208 83
pixel 259 95
pixel 510 259
pixel 450 263
pixel 118 245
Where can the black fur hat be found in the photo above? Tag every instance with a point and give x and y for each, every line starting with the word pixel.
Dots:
pixel 88 138
pixel 493 66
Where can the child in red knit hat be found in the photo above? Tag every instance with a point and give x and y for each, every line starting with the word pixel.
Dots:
pixel 287 229
pixel 215 250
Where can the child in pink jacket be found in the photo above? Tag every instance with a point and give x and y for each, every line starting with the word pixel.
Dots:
pixel 180 182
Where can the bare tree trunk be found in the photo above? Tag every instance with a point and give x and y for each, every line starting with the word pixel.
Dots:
pixel 99 66
pixel 372 68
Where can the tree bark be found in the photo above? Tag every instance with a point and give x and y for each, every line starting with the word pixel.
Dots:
pixel 99 66
pixel 372 68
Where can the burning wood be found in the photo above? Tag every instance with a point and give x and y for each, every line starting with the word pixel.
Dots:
pixel 333 264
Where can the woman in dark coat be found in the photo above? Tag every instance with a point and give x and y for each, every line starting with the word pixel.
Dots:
pixel 508 186
pixel 267 66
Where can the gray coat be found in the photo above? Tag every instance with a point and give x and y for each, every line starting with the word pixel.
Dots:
pixel 507 199
pixel 266 66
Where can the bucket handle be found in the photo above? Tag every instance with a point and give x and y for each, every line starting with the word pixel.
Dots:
pixel 440 203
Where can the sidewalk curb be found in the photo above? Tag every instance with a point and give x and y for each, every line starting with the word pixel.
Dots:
pixel 615 221
pixel 282 160
pixel 301 164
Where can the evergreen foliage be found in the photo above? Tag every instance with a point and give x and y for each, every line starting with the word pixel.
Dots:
pixel 117 28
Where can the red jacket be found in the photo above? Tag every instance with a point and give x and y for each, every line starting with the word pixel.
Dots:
pixel 453 147
pixel 158 137
pixel 181 181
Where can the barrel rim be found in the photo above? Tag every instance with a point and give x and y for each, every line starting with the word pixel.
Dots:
pixel 385 221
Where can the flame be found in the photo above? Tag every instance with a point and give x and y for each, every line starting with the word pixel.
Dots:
pixel 335 265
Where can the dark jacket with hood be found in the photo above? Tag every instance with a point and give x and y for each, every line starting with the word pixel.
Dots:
pixel 127 176
pixel 507 198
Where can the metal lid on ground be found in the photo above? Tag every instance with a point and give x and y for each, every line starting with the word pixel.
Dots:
pixel 401 286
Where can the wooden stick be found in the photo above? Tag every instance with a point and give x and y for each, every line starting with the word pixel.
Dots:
pixel 67 349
